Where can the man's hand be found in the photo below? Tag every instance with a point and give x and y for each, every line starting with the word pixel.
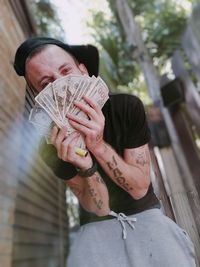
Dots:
pixel 93 126
pixel 65 146
pixel 91 191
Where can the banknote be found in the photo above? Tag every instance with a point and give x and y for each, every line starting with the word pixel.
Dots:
pixel 41 120
pixel 56 100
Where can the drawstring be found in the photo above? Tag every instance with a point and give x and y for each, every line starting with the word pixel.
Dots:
pixel 122 218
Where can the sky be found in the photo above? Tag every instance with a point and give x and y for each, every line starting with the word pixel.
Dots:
pixel 74 14
pixel 72 19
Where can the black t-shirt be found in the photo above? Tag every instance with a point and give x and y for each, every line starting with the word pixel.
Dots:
pixel 125 127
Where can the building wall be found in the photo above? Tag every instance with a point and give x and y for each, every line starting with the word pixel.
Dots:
pixel 33 220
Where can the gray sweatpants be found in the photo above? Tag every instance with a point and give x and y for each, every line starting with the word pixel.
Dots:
pixel 156 241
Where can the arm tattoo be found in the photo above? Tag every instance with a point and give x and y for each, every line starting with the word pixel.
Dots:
pixel 93 194
pixel 118 174
pixel 140 156
pixel 99 179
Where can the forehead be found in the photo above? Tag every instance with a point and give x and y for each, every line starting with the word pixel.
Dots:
pixel 51 57
pixel 51 53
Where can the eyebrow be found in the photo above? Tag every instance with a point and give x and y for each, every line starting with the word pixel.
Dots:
pixel 63 65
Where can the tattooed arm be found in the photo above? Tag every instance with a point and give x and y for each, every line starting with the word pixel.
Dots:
pixel 92 193
pixel 130 172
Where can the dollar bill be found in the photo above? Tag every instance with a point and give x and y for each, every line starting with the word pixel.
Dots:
pixel 41 120
pixel 57 100
pixel 46 99
pixel 99 92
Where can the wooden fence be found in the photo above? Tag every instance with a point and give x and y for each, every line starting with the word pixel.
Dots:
pixel 180 162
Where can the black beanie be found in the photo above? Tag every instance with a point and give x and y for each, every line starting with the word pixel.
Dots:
pixel 86 54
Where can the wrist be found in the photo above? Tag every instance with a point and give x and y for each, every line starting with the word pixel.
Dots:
pixel 99 149
pixel 85 167
pixel 88 172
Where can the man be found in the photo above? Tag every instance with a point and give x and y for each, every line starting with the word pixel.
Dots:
pixel 112 182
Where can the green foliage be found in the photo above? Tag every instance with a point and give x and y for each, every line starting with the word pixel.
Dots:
pixel 162 29
pixel 162 23
pixel 46 19
pixel 117 66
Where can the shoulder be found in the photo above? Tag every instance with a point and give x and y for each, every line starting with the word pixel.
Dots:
pixel 121 98
pixel 123 102
pixel 126 115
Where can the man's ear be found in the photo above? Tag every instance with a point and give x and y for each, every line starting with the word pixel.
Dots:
pixel 83 68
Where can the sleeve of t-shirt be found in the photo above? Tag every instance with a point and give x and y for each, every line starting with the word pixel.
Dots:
pixel 137 132
pixel 60 168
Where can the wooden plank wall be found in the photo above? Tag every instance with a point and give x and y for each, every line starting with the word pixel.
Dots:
pixel 188 118
pixel 33 220
pixel 185 187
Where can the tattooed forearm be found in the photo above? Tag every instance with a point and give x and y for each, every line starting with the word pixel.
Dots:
pixel 113 164
pixel 98 202
pixel 118 174
pixel 99 179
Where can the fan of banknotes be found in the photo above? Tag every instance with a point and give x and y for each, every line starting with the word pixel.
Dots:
pixel 57 99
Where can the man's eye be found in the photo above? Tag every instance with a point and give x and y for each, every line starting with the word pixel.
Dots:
pixel 65 71
pixel 43 85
